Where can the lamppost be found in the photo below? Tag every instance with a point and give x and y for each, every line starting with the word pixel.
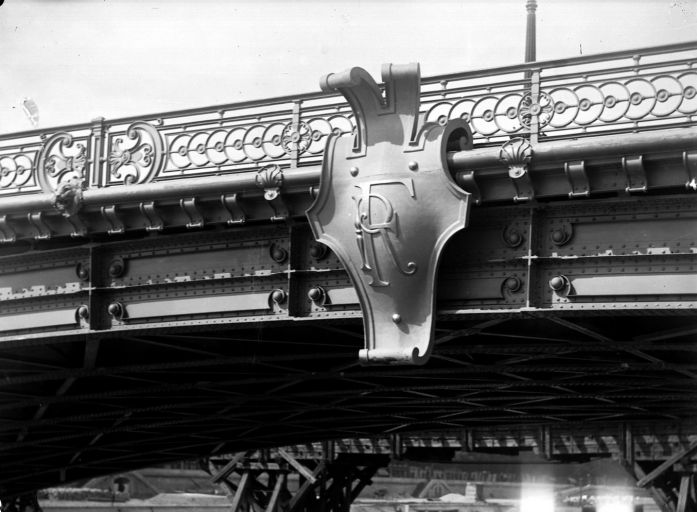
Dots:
pixel 531 7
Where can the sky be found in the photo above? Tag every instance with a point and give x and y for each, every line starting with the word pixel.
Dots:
pixel 79 59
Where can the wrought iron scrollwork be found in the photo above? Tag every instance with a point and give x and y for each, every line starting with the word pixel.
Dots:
pixel 142 159
pixel 61 160
pixel 575 103
pixel 255 143
pixel 15 170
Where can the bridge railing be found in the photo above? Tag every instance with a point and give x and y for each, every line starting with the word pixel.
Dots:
pixel 617 92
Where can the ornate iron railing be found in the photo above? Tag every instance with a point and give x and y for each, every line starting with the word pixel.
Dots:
pixel 618 92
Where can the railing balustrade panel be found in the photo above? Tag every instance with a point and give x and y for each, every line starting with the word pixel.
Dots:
pixel 622 92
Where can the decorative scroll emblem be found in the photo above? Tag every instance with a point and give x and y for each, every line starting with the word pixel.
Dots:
pixel 140 161
pixel 61 160
pixel 387 205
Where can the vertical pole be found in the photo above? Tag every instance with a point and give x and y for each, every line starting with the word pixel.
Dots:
pixel 530 53
pixel 535 107
pixel 295 145
pixel 94 172
pixel 533 87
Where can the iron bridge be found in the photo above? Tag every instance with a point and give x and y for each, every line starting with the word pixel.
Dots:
pixel 506 247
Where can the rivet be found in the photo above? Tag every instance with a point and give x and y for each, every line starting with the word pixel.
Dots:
pixel 413 165
pixel 354 171
pixel 396 318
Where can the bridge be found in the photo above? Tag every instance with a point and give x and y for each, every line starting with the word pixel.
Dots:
pixel 465 252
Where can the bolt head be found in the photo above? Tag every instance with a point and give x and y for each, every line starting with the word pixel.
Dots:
pixel 115 309
pixel 413 165
pixel 117 268
pixel 315 294
pixel 514 238
pixel 354 171
pixel 557 283
pixel 558 236
pixel 83 312
pixel 82 272
pixel 396 318
pixel 512 284
pixel 278 296
pixel 318 251
pixel 278 254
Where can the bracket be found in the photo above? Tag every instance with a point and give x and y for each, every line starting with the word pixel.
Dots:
pixel 468 182
pixel 42 231
pixel 578 179
pixel 190 209
pixel 231 204
pixel 153 220
pixel 633 167
pixel 689 159
pixel 112 219
pixel 79 227
pixel 7 234
pixel 387 205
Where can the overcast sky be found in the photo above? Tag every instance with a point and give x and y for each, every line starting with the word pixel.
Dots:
pixel 79 59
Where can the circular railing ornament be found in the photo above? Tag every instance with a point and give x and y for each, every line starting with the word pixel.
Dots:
pixel 296 137
pixel 543 109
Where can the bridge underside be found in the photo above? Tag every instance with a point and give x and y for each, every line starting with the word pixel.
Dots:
pixel 73 409
pixel 204 359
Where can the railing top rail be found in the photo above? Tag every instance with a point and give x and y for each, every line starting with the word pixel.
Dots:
pixel 567 62
pixel 501 70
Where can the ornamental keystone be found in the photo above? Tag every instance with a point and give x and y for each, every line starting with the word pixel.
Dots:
pixel 387 205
